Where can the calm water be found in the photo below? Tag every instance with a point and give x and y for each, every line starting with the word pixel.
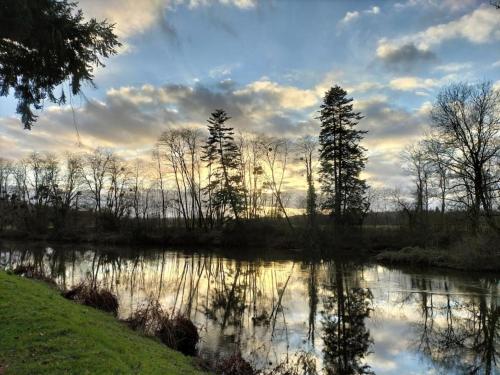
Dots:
pixel 349 317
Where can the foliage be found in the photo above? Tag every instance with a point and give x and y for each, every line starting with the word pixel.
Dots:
pixel 342 158
pixel 44 43
pixel 222 157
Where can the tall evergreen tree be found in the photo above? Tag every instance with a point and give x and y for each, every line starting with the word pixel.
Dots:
pixel 222 156
pixel 342 158
pixel 45 43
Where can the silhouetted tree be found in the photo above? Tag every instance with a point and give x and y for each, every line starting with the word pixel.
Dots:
pixel 467 121
pixel 223 159
pixel 307 147
pixel 342 158
pixel 44 43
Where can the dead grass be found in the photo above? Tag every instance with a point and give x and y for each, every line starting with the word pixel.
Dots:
pixel 235 365
pixel 177 332
pixel 92 295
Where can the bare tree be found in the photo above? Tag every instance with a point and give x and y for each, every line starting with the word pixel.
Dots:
pixel 72 180
pixel 118 197
pixel 467 121
pixel 95 169
pixel 307 150
pixel 251 174
pixel 435 152
pixel 417 165
pixel 5 174
pixel 276 154
pixel 160 178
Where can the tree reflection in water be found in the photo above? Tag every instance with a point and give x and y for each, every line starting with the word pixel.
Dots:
pixel 456 334
pixel 346 338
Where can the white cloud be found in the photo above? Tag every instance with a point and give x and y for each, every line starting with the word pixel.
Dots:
pixel 373 10
pixel 136 16
pixel 453 67
pixel 411 83
pixel 222 70
pixel 350 16
pixel 496 64
pixel 288 97
pixel 448 5
pixel 129 16
pixel 480 26
pixel 242 4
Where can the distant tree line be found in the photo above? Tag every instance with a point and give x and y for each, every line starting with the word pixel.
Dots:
pixel 196 179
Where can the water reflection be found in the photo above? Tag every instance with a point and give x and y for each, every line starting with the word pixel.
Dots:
pixel 346 338
pixel 348 318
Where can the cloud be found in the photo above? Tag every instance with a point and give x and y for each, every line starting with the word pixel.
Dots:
pixel 410 83
pixel 131 118
pixel 132 17
pixel 453 67
pixel 390 128
pixel 373 10
pixel 287 97
pixel 478 27
pixel 446 5
pixel 350 16
pixel 405 57
pixel 354 15
pixel 241 4
pixel 222 70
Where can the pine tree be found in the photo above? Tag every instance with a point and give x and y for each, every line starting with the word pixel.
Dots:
pixel 342 158
pixel 222 156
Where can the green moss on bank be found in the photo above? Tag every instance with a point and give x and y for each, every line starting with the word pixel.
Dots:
pixel 42 333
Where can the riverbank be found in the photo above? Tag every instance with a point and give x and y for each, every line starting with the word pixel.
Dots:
pixel 43 333
pixel 263 240
pixel 457 259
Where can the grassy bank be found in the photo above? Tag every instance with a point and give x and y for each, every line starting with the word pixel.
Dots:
pixel 456 258
pixel 43 333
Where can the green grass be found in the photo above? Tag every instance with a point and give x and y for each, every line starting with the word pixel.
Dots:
pixel 43 333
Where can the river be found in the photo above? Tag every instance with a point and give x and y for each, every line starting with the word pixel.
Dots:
pixel 344 316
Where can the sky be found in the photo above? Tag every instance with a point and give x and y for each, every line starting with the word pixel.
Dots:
pixel 268 64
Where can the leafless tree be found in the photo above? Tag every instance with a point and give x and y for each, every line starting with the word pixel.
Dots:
pixel 466 119
pixel 307 147
pixel 95 170
pixel 276 155
pixel 419 168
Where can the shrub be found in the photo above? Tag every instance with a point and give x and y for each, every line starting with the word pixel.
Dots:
pixel 179 333
pixel 93 296
pixel 235 365
pixel 147 317
pixel 31 272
